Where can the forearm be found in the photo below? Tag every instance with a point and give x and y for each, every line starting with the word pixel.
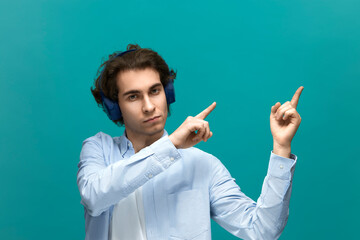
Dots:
pixel 273 204
pixel 241 216
pixel 102 186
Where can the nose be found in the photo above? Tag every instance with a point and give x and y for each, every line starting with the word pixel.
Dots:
pixel 148 106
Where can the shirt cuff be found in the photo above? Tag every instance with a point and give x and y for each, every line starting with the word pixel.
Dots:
pixel 282 167
pixel 165 152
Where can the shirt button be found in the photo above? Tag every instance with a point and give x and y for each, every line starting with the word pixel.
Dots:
pixel 172 159
pixel 150 175
pixel 281 166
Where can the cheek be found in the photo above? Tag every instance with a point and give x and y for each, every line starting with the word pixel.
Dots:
pixel 128 111
pixel 163 104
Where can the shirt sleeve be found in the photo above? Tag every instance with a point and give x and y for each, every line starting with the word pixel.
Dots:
pixel 245 218
pixel 102 185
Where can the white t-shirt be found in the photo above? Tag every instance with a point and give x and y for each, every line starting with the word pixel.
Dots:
pixel 128 220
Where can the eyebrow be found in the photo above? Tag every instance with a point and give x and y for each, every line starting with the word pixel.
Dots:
pixel 137 91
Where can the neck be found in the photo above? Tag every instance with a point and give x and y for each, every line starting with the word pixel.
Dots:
pixel 140 142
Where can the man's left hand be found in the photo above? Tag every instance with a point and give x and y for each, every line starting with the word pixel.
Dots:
pixel 285 120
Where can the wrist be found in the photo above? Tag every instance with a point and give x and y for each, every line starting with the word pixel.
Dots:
pixel 282 150
pixel 171 137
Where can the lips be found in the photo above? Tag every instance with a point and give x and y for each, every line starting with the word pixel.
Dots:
pixel 150 119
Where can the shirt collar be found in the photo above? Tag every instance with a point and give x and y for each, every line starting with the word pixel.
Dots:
pixel 125 143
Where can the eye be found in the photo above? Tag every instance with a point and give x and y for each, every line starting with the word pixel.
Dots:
pixel 155 91
pixel 132 97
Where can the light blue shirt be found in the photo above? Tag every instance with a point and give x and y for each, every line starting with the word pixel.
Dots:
pixel 182 189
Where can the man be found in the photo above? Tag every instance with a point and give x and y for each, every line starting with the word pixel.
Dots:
pixel 147 184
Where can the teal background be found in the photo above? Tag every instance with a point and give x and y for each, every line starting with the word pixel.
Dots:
pixel 245 55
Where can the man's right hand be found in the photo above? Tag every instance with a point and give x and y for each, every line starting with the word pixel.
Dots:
pixel 193 130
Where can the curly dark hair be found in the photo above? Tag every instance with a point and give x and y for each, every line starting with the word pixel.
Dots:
pixel 139 59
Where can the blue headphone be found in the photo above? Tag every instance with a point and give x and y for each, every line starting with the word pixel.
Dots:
pixel 112 108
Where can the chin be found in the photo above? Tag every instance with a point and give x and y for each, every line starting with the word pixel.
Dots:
pixel 156 129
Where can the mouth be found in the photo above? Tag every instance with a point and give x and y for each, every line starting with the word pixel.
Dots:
pixel 152 119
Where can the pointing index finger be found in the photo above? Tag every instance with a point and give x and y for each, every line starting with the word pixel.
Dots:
pixel 206 112
pixel 295 98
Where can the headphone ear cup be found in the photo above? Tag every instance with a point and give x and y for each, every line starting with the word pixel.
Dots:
pixel 170 92
pixel 112 108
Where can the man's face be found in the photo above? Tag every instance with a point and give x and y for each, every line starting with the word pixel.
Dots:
pixel 142 102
